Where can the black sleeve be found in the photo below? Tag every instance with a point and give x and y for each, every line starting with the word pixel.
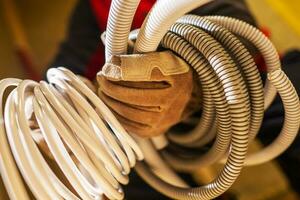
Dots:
pixel 81 41
pixel 231 8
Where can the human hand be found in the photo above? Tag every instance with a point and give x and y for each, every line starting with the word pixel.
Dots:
pixel 148 93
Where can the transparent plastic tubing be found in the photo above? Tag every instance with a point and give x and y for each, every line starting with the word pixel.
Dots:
pixel 93 150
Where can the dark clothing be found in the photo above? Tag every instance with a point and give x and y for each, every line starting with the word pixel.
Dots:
pixel 82 40
pixel 83 52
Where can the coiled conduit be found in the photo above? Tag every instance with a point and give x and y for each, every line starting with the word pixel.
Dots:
pixel 93 150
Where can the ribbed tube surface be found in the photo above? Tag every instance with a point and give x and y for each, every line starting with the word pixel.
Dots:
pixel 118 26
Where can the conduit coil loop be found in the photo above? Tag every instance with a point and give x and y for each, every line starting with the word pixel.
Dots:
pixel 94 151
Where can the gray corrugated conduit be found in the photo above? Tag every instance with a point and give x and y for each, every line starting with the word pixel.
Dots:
pixel 220 63
pixel 93 150
pixel 119 26
pixel 242 58
pixel 260 41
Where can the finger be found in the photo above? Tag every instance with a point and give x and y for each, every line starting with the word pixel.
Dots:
pixel 134 96
pixel 154 109
pixel 132 113
pixel 131 126
pixel 140 129
pixel 144 84
pixel 144 108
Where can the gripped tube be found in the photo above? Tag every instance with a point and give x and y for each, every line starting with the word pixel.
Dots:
pixel 158 21
pixel 116 43
pixel 119 22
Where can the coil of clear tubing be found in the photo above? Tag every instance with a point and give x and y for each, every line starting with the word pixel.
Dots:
pixel 94 151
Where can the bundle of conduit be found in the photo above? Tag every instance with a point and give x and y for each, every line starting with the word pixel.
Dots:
pixel 93 150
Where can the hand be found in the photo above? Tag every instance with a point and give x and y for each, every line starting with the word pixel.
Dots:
pixel 148 93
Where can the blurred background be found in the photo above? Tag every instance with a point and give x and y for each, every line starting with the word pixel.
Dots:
pixel 31 31
pixel 39 27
